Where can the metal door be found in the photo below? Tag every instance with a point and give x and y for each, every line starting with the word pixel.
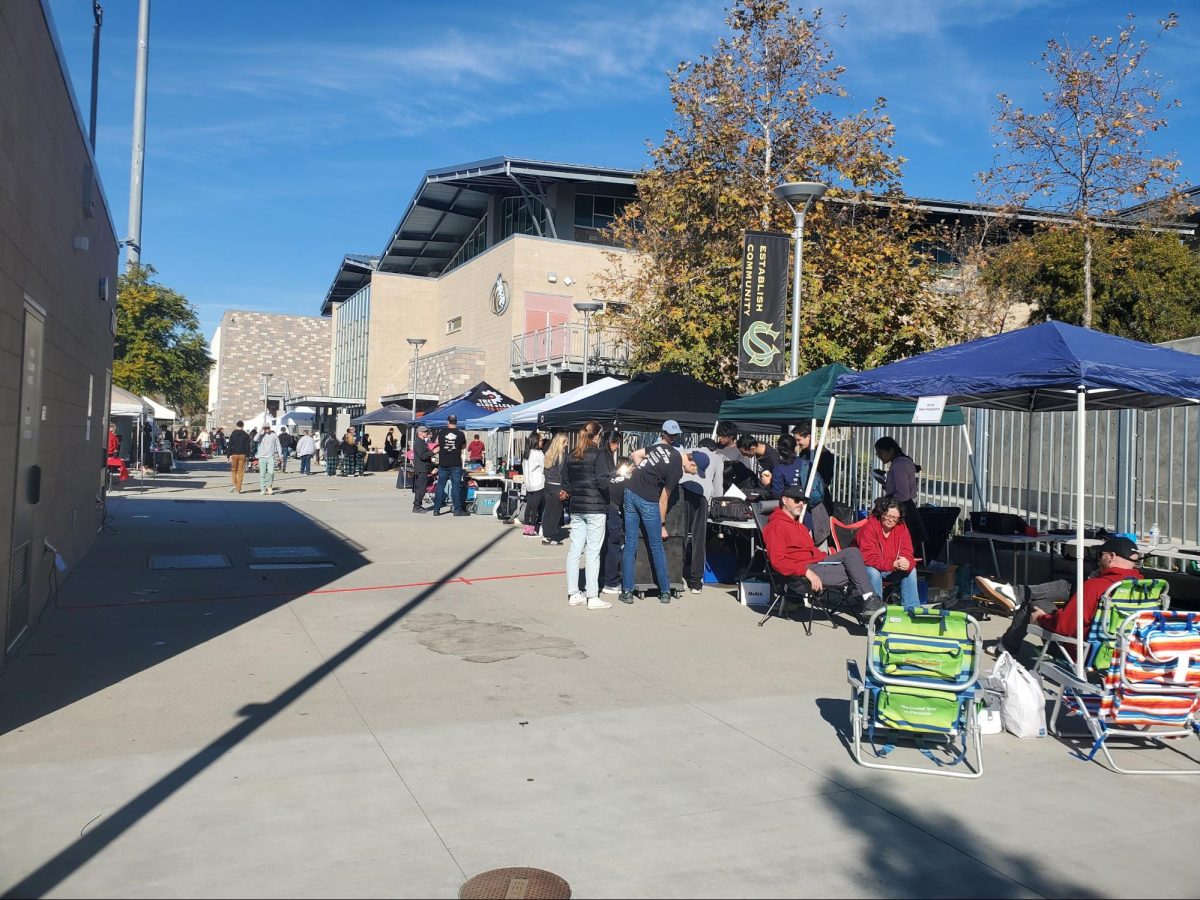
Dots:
pixel 27 485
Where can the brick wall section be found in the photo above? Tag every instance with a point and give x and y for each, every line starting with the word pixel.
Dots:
pixel 294 349
pixel 450 372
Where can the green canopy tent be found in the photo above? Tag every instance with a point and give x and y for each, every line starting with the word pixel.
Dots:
pixel 808 398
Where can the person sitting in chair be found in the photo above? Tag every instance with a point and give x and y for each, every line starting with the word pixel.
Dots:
pixel 887 550
pixel 793 555
pixel 1035 604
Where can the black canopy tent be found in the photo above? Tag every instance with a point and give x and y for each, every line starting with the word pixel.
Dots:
pixel 387 415
pixel 645 402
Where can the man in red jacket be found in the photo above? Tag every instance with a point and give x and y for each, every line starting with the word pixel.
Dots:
pixel 1036 603
pixel 793 554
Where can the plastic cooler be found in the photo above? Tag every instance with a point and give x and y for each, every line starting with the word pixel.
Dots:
pixel 486 500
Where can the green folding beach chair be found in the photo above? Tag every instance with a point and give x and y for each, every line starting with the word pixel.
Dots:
pixel 921 689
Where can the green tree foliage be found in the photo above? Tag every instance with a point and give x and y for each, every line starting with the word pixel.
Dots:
pixel 1147 285
pixel 1085 151
pixel 159 347
pixel 767 106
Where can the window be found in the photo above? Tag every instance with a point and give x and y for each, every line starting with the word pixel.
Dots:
pixel 597 211
pixel 515 217
pixel 454 325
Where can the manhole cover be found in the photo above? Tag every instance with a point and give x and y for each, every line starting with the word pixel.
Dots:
pixel 516 883
pixel 190 561
pixel 294 552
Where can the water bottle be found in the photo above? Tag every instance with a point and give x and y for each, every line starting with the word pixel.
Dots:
pixel 1153 535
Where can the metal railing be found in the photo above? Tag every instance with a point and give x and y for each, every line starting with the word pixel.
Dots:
pixel 559 348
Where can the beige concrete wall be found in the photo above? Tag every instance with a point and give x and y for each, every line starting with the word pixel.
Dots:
pixel 404 306
pixel 47 201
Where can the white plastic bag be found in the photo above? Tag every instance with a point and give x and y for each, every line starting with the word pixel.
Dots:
pixel 1022 704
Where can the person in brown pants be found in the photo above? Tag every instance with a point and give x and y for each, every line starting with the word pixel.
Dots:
pixel 239 450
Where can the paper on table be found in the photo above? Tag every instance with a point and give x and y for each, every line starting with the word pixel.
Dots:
pixel 735 491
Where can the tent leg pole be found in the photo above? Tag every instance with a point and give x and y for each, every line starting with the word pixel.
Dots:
pixel 1080 462
pixel 816 455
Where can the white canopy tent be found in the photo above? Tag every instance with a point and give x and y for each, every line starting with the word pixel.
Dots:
pixel 124 404
pixel 159 412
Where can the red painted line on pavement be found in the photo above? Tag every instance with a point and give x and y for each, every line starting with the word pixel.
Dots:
pixel 297 596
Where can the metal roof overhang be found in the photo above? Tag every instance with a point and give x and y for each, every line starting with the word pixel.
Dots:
pixel 451 202
pixel 354 272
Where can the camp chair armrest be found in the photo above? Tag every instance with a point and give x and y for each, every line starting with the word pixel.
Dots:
pixel 1047 636
pixel 1057 675
pixel 853 675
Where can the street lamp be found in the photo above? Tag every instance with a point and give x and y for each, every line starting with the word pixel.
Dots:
pixel 416 344
pixel 799 195
pixel 266 385
pixel 587 307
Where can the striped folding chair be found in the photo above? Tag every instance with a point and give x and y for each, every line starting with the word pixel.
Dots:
pixel 1149 691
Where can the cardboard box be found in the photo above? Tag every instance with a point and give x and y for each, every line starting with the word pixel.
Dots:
pixel 755 593
pixel 942 580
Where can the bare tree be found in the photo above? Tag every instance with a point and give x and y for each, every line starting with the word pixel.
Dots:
pixel 1086 151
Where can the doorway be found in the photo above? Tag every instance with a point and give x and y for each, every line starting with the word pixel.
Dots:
pixel 27 483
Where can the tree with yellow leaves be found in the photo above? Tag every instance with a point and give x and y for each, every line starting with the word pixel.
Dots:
pixel 767 106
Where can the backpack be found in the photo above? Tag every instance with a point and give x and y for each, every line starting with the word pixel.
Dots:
pixel 804 468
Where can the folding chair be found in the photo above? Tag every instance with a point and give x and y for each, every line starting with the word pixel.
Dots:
pixel 1149 691
pixel 1118 603
pixel 830 599
pixel 921 684
pixel 845 535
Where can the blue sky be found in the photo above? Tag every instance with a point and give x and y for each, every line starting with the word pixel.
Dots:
pixel 282 135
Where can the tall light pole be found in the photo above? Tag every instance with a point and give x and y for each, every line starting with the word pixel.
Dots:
pixel 587 307
pixel 133 243
pixel 799 195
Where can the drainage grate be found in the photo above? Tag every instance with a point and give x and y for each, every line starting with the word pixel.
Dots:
pixel 518 883
pixel 294 552
pixel 190 561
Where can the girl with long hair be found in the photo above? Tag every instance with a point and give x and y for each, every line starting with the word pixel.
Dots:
pixel 900 481
pixel 534 471
pixel 588 514
pixel 552 514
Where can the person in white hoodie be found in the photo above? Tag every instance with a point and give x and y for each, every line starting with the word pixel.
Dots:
pixel 534 474
pixel 269 456
pixel 306 448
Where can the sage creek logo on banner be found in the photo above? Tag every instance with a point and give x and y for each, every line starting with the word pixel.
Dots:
pixel 761 321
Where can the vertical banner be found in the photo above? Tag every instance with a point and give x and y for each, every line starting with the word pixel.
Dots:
pixel 762 321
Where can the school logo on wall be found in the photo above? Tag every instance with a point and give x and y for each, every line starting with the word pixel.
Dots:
pixel 499 295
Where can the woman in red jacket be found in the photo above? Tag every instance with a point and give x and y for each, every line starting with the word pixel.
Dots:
pixel 887 550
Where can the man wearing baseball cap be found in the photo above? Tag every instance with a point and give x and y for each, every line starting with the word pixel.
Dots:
pixel 646 496
pixel 1035 604
pixel 422 465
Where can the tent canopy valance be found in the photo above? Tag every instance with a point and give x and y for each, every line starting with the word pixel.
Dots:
pixel 386 415
pixel 808 398
pixel 479 401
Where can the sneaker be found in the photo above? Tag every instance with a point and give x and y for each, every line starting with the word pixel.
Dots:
pixel 418 509
pixel 576 600
pixel 549 542
pixel 528 531
pixel 626 597
pixel 872 603
pixel 597 603
pixel 611 589
pixel 997 592
pixel 672 594
pixel 694 590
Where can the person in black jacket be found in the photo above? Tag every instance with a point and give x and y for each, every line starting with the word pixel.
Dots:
pixel 589 507
pixel 239 450
pixel 422 465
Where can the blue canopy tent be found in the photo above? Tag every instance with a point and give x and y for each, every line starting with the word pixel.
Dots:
pixel 1051 367
pixel 481 400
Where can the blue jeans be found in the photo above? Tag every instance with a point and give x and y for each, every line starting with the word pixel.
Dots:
pixel 284 453
pixel 456 492
pixel 587 537
pixel 908 585
pixel 305 464
pixel 640 512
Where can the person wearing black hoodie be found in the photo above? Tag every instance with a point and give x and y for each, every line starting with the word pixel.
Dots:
pixel 239 450
pixel 582 477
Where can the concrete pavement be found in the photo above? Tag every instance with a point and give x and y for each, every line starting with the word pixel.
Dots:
pixel 418 704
